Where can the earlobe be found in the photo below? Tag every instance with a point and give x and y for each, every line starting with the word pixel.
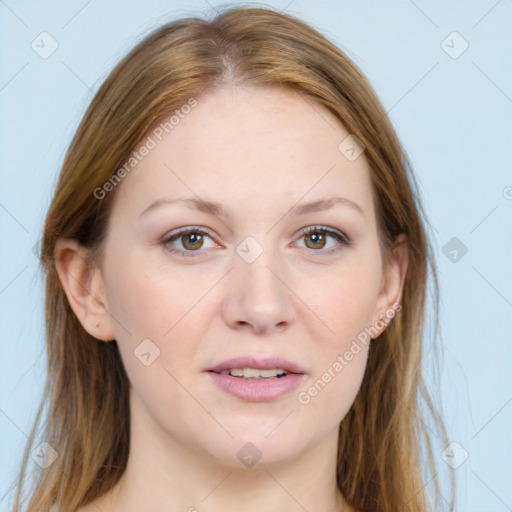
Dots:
pixel 393 280
pixel 83 286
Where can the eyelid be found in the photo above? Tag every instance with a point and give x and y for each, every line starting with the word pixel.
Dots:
pixel 187 229
pixel 330 231
pixel 342 239
pixel 175 234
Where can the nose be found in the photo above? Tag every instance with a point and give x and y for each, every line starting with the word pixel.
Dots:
pixel 257 297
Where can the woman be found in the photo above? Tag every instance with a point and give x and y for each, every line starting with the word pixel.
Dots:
pixel 236 268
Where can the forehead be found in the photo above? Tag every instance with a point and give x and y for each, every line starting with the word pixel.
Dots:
pixel 248 146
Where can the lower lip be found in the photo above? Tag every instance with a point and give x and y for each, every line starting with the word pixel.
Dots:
pixel 257 390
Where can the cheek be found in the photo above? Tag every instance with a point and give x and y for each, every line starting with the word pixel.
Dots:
pixel 338 361
pixel 150 296
pixel 345 302
pixel 344 299
pixel 147 302
pixel 158 327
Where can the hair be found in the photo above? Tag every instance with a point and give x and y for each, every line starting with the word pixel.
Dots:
pixel 85 405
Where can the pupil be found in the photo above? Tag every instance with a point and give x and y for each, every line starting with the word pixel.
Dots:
pixel 192 240
pixel 316 239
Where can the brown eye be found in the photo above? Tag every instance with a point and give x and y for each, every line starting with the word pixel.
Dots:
pixel 316 240
pixel 188 242
pixel 192 240
pixel 324 240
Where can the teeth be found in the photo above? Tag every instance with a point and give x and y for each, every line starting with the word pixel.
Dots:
pixel 253 373
pixel 268 373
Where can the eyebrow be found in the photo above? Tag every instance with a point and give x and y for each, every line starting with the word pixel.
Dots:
pixel 218 210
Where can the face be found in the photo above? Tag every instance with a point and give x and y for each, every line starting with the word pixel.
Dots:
pixel 218 249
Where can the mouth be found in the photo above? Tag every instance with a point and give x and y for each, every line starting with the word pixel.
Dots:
pixel 257 380
pixel 255 373
pixel 252 368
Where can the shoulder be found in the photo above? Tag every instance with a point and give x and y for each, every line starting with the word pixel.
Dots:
pixel 95 506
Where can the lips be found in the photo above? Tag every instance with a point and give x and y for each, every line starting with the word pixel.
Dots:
pixel 258 390
pixel 268 363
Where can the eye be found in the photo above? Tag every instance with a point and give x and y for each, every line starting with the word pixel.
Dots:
pixel 317 239
pixel 190 240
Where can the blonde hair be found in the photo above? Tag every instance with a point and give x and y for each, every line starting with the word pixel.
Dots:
pixel 86 391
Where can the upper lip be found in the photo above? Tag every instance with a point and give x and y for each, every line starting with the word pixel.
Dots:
pixel 265 363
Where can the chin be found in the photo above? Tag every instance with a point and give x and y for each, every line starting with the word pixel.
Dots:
pixel 253 448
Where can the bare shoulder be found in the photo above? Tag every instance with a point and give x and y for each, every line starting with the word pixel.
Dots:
pixel 96 505
pixel 91 507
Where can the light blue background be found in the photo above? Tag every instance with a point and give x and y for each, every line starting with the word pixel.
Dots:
pixel 454 117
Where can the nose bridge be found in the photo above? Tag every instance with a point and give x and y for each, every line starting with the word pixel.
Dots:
pixel 258 280
pixel 257 295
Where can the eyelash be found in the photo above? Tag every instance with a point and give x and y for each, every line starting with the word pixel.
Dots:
pixel 341 238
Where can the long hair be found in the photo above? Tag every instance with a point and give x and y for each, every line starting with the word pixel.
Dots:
pixel 85 407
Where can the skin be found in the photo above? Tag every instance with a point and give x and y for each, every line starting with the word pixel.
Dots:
pixel 258 152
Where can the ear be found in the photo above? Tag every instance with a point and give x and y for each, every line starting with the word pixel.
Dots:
pixel 84 288
pixel 393 279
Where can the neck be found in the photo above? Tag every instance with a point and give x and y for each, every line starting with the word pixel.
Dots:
pixel 165 474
